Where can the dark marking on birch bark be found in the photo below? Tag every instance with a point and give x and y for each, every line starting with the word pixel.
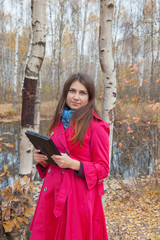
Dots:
pixel 111 114
pixel 114 94
pixel 28 102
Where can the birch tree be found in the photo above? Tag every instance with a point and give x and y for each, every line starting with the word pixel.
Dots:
pixel 74 34
pixel 53 43
pixel 83 34
pixel 30 83
pixel 107 66
pixel 18 29
pixel 61 29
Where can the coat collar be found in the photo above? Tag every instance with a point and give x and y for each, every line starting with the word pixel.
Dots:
pixel 96 116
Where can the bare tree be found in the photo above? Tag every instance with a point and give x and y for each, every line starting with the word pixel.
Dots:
pixel 60 49
pixel 18 29
pixel 30 83
pixel 83 34
pixel 53 43
pixel 107 65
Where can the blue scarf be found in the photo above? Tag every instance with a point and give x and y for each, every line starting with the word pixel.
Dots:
pixel 66 115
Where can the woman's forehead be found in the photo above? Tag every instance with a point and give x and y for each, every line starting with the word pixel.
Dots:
pixel 78 86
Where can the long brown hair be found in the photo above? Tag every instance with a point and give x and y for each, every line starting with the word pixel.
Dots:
pixel 82 116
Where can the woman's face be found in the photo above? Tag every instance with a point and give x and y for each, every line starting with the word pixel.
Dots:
pixel 77 95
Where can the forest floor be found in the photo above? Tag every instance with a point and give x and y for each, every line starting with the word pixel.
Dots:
pixel 132 208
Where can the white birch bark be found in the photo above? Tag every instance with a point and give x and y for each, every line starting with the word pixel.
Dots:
pixel 18 29
pixel 15 66
pixel 2 65
pixel 83 35
pixel 28 20
pixel 60 47
pixel 77 36
pixel 107 66
pixel 52 30
pixel 26 62
pixel 73 16
pixel 32 74
pixel 96 70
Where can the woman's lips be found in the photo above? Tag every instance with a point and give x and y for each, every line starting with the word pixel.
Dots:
pixel 75 103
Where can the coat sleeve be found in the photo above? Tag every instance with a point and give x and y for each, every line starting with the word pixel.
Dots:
pixel 97 170
pixel 41 170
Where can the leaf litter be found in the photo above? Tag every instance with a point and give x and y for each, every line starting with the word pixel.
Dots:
pixel 132 208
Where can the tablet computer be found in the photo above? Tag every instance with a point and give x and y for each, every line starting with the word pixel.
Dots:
pixel 44 144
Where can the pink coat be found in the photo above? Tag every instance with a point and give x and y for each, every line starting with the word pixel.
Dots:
pixel 69 207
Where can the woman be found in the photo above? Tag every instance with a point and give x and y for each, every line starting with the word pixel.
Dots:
pixel 69 205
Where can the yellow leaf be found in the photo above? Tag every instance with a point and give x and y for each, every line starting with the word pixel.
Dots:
pixel 20 219
pixel 26 220
pixel 16 183
pixel 18 224
pixel 15 200
pixel 28 212
pixel 5 168
pixel 25 179
pixel 30 190
pixel 8 144
pixel 14 221
pixel 8 225
pixel 7 133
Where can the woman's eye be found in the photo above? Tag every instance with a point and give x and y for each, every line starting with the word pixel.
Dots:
pixel 71 91
pixel 83 93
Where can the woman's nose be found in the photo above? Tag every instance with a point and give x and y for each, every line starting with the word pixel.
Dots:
pixel 76 96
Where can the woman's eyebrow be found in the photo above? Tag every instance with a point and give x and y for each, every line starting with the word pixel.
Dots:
pixel 81 90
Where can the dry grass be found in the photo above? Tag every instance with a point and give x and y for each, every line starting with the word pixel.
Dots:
pixel 47 109
pixel 144 112
pixel 8 111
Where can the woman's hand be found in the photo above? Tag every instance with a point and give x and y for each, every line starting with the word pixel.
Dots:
pixel 64 161
pixel 40 158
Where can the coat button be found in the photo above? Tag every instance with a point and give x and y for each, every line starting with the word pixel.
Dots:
pixel 49 170
pixel 67 152
pixel 45 189
pixel 63 172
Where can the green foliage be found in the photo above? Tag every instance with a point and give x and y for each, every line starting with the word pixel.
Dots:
pixel 16 203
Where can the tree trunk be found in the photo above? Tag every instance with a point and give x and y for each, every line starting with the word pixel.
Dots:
pixel 15 77
pixel 61 28
pixel 152 85
pixel 107 66
pixel 30 83
pixel 15 67
pixel 157 58
pixel 74 12
pixel 53 47
pixel 26 62
pixel 83 35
